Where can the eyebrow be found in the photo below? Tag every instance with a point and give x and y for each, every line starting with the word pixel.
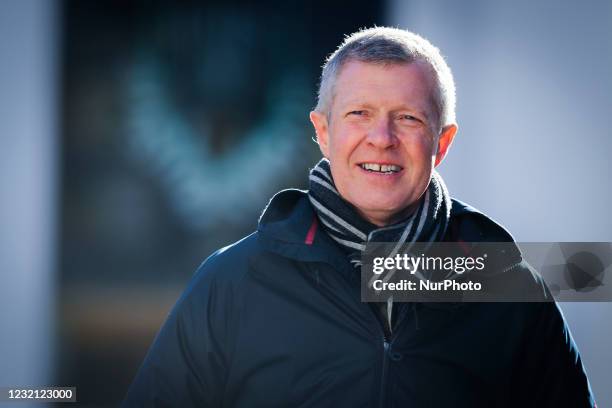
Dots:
pixel 355 104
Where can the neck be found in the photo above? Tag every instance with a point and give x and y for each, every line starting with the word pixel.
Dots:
pixel 383 218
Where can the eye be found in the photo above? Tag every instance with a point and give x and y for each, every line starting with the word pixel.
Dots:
pixel 407 117
pixel 357 113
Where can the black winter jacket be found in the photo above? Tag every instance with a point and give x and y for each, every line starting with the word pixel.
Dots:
pixel 275 320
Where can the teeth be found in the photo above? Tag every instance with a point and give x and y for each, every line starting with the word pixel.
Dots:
pixel 385 168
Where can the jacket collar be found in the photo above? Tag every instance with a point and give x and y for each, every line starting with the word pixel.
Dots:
pixel 289 227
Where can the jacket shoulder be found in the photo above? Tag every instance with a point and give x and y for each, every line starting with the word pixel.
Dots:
pixel 230 263
pixel 471 225
pixel 194 345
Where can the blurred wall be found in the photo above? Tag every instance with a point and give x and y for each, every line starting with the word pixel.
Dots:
pixel 28 181
pixel 533 103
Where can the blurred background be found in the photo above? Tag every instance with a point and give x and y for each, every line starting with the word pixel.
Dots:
pixel 136 137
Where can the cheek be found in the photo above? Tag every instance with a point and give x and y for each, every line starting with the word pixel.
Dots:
pixel 425 140
pixel 421 150
pixel 340 145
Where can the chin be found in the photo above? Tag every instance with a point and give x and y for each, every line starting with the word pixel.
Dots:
pixel 385 203
pixel 381 207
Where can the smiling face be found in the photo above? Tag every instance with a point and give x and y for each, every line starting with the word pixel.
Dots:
pixel 382 138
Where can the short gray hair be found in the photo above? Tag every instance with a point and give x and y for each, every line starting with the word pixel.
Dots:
pixel 386 45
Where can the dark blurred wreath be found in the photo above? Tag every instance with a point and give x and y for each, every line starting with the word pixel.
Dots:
pixel 217 111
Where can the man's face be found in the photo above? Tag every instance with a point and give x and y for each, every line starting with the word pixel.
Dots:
pixel 381 137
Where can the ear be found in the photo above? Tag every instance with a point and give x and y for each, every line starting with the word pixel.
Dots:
pixel 319 121
pixel 444 142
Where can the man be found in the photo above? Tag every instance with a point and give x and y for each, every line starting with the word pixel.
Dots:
pixel 276 319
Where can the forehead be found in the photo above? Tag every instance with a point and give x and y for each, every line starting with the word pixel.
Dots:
pixel 386 85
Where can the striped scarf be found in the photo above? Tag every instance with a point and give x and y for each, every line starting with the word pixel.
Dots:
pixel 341 221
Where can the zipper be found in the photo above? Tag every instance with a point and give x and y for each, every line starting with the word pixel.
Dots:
pixel 386 335
pixel 387 338
pixel 385 368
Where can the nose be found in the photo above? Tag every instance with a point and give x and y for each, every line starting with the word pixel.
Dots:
pixel 381 134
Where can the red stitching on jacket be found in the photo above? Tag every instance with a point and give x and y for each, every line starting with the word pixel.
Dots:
pixel 312 231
